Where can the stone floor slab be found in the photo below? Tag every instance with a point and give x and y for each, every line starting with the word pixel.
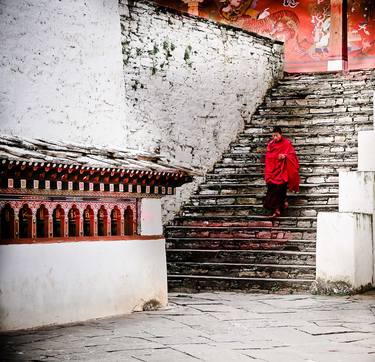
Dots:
pixel 214 327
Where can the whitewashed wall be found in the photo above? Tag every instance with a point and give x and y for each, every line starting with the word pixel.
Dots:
pixel 60 71
pixel 45 284
pixel 190 83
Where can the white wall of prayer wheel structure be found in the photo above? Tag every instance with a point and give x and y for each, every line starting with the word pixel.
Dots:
pixel 64 280
pixel 46 284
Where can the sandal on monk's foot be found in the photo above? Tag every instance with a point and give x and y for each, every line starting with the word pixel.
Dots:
pixel 276 213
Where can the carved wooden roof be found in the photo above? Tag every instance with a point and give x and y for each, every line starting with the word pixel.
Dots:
pixel 70 155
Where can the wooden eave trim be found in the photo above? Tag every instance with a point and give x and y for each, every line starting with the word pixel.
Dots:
pixel 60 172
pixel 73 239
pixel 60 167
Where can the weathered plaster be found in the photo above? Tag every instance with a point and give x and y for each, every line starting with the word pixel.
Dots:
pixel 60 71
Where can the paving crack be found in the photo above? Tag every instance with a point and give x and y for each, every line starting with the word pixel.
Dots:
pixel 330 333
pixel 186 353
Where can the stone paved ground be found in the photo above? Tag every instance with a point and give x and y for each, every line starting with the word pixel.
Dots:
pixel 214 327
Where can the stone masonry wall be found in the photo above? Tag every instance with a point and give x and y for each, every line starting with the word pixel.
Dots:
pixel 61 71
pixel 190 83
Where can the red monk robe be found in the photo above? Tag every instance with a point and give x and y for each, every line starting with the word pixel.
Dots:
pixel 281 169
pixel 285 170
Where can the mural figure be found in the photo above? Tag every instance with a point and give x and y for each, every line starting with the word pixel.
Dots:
pixel 247 14
pixel 361 28
pixel 233 9
pixel 314 45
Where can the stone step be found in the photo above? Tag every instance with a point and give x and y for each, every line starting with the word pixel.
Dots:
pixel 251 159
pixel 238 188
pixel 318 76
pixel 321 88
pixel 365 74
pixel 242 157
pixel 306 177
pixel 284 232
pixel 257 199
pixel 311 110
pixel 343 88
pixel 226 169
pixel 259 181
pixel 357 81
pixel 307 209
pixel 245 172
pixel 313 203
pixel 332 150
pixel 312 100
pixel 259 195
pixel 359 98
pixel 257 140
pixel 242 270
pixel 305 130
pixel 198 283
pixel 317 146
pixel 251 220
pixel 339 132
pixel 240 244
pixel 341 116
pixel 334 89
pixel 311 120
pixel 242 256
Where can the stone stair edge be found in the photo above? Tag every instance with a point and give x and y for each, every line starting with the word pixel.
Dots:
pixel 234 278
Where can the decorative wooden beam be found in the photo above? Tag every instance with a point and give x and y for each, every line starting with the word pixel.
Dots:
pixel 193 6
pixel 338 43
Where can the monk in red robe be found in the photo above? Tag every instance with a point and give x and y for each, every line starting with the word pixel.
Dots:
pixel 281 172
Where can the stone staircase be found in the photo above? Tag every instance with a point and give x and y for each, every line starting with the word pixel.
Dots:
pixel 222 240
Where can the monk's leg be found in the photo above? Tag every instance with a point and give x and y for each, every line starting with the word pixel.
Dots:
pixel 274 198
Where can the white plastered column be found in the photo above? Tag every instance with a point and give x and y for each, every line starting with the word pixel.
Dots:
pixel 346 239
pixel 344 249
pixel 151 223
pixel 366 151
pixel 366 173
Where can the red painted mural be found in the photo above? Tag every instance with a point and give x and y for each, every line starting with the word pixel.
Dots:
pixel 308 27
